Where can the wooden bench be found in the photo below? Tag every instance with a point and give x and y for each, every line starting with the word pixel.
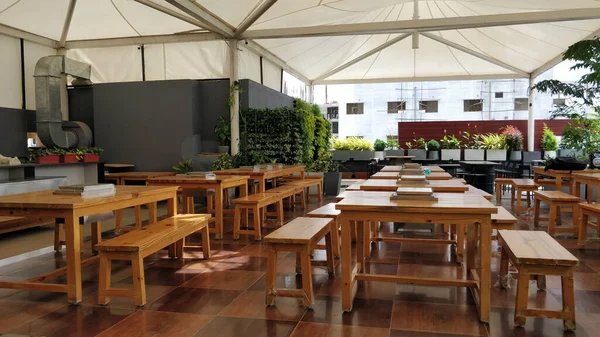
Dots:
pixel 301 235
pixel 556 200
pixel 306 184
pixel 477 191
pixel 256 203
pixel 136 245
pixel 288 192
pixel 585 211
pixel 499 182
pixel 520 186
pixel 329 212
pixel 537 254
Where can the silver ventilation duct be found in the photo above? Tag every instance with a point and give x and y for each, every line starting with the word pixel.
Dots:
pixel 51 129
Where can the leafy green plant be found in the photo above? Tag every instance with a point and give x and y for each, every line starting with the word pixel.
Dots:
pixel 549 142
pixel 491 141
pixel 513 138
pixel 223 131
pixel 325 163
pixel 352 144
pixel 420 143
pixel 433 145
pixel 469 140
pixel 379 145
pixel 450 143
pixel 234 89
pixel 392 144
pixel 183 166
pixel 223 162
pixel 409 145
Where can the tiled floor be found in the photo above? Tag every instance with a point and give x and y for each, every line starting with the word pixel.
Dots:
pixel 225 297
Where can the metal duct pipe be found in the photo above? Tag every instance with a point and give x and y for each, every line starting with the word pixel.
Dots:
pixel 51 129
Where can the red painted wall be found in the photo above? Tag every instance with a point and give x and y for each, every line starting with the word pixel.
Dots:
pixel 407 131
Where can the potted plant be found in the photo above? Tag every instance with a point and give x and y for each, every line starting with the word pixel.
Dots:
pixel 332 177
pixel 494 145
pixel 45 155
pixel 420 148
pixel 224 162
pixel 352 148
pixel 471 150
pixel 341 149
pixel 379 147
pixel 91 154
pixel 223 133
pixel 433 150
pixel 514 142
pixel 549 143
pixel 183 167
pixel 392 148
pixel 69 156
pixel 450 147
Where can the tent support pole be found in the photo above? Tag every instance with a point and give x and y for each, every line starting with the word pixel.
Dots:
pixel 531 116
pixel 234 109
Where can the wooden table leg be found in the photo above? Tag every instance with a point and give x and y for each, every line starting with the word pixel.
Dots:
pixel 471 243
pixel 219 211
pixel 590 192
pixel 518 203
pixel 577 189
pixel 118 218
pixel 138 216
pixel 583 221
pixel 485 279
pixel 261 185
pixel 568 299
pixel 347 277
pixel 360 245
pixel 460 243
pixel 171 211
pixel 73 242
pixel 522 296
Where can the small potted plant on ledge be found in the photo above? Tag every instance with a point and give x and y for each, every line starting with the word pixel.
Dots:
pixel 549 143
pixel 332 177
pixel 223 133
pixel 69 156
pixel 472 151
pixel 91 154
pixel 224 162
pixel 450 147
pixel 379 147
pixel 494 145
pixel 183 167
pixel 392 148
pixel 420 148
pixel 433 150
pixel 514 142
pixel 45 155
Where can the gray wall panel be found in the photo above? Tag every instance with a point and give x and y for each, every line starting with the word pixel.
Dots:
pixel 13 132
pixel 258 96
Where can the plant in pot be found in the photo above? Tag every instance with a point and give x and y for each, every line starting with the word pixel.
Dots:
pixel 183 167
pixel 332 177
pixel 379 147
pixel 433 149
pixel 420 148
pixel 450 147
pixel 224 162
pixel 341 149
pixel 514 141
pixel 358 148
pixel 223 133
pixel 92 154
pixel 549 143
pixel 472 151
pixel 69 156
pixel 45 155
pixel 494 145
pixel 392 148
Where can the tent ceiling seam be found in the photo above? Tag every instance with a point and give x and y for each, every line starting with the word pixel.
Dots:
pixel 123 16
pixel 10 6
pixel 341 10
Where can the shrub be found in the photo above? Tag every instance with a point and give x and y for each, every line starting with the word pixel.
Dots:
pixel 491 141
pixel 379 145
pixel 549 142
pixel 352 144
pixel 433 145
pixel 513 138
pixel 450 142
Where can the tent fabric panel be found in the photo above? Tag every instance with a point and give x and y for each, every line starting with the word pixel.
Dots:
pixel 32 53
pixel 271 75
pixel 44 18
pixel 10 68
pixel 103 61
pixel 197 60
pixel 249 65
pixel 154 62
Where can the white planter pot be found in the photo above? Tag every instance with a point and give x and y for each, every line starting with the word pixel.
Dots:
pixel 418 153
pixel 515 155
pixel 549 154
pixel 474 154
pixel 379 155
pixel 448 154
pixel 495 155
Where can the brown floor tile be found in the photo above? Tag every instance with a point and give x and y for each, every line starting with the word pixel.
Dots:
pixel 157 324
pixel 74 320
pixel 401 333
pixel 17 313
pixel 251 304
pixel 437 318
pixel 166 276
pixel 585 301
pixel 505 298
pixel 292 281
pixel 234 327
pixel 152 293
pixel 366 312
pixel 305 329
pixel 439 295
pixel 502 325
pixel 259 250
pixel 582 281
pixel 243 262
pixel 195 301
pixel 228 280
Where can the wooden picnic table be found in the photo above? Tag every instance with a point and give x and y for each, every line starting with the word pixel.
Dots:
pixel 70 208
pixel 263 173
pixel 383 185
pixel 398 168
pixel 558 176
pixel 589 178
pixel 220 184
pixel 395 175
pixel 472 211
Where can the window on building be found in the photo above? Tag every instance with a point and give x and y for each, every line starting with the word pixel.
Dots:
pixel 334 128
pixel 396 107
pixel 499 94
pixel 559 102
pixel 355 108
pixel 521 104
pixel 471 105
pixel 333 112
pixel 428 106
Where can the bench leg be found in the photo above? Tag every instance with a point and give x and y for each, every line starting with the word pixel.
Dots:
pixel 271 276
pixel 329 247
pixel 552 220
pixel 206 242
pixel 58 229
pixel 303 199
pixel 320 190
pixel 522 296
pixel 179 248
pixel 96 235
pixel 583 221
pixel 568 299
pixel 498 192
pixel 138 216
pixel 257 223
pixel 504 277
pixel 118 218
pixel 139 285
pixel 279 206
pixel 307 276
pixel 536 213
pixel 335 238
pixel 104 279
pixel 518 203
pixel 298 263
pixel 541 282
pixel 152 214
pixel 460 243
pixel 237 215
pixel 446 228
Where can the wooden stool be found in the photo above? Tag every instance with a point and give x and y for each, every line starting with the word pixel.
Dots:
pixel 329 212
pixel 301 189
pixel 535 253
pixel 556 200
pixel 136 245
pixel 315 181
pixel 585 211
pixel 499 183
pixel 255 202
pixel 300 235
pixel 288 192
pixel 520 186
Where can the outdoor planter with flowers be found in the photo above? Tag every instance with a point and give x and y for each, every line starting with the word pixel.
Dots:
pixel 494 145
pixel 418 149
pixel 472 152
pixel 69 156
pixel 352 148
pixel 549 143
pixel 450 147
pixel 514 141
pixel 392 148
pixel 91 154
pixel 433 150
pixel 45 155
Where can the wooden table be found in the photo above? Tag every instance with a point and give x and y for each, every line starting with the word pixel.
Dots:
pixel 395 175
pixel 473 211
pixel 558 176
pixel 118 167
pixel 383 185
pixel 120 178
pixel 221 184
pixel 263 173
pixel 590 179
pixel 398 168
pixel 70 208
